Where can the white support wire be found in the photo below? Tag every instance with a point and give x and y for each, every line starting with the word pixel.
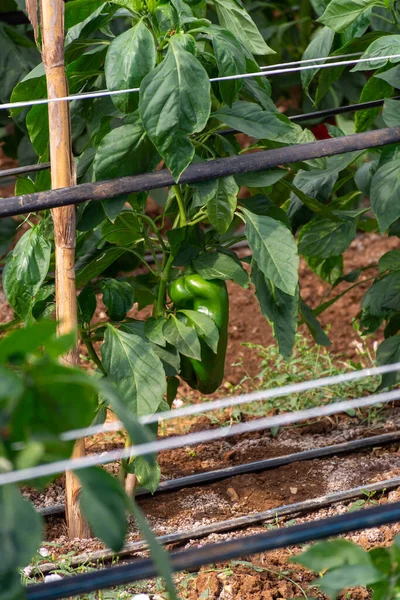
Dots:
pixel 263 73
pixel 311 60
pixel 191 439
pixel 222 403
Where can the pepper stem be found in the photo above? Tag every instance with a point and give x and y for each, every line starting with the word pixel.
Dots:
pixel 158 309
pixel 181 206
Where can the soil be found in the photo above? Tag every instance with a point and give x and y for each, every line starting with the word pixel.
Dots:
pixel 267 576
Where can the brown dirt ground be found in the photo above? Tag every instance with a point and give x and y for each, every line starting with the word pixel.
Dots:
pixel 187 509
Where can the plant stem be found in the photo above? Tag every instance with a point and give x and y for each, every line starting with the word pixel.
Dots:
pixel 181 206
pixel 92 352
pixel 158 309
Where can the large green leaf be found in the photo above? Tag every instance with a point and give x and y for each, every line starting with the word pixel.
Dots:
pixel 221 207
pixel 342 13
pixel 313 325
pixel 218 265
pixel 325 238
pixel 118 298
pixel 133 366
pixel 383 296
pixel 21 530
pixel 18 56
pixel 279 308
pixel 79 10
pixel 130 57
pixel 388 353
pixel 332 554
pixel 259 123
pixel 25 270
pixel 8 227
pixel 233 17
pixel 319 47
pixel 388 45
pixel 124 231
pixel 385 194
pixel 205 327
pixel 229 54
pixel 182 337
pixel 174 103
pixel 391 112
pixel 124 151
pixel 274 250
pixel 37 123
pixel 374 89
pixel 104 504
pixel 389 261
pixel 349 576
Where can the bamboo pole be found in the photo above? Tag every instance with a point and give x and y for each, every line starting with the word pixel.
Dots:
pixel 62 176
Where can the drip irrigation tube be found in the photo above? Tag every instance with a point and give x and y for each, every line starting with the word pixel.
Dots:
pixel 213 169
pixel 209 477
pixel 320 114
pixel 217 553
pixel 289 510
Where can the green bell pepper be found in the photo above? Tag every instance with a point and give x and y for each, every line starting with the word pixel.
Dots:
pixel 209 297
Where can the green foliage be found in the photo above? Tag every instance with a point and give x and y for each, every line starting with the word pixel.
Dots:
pixel 346 565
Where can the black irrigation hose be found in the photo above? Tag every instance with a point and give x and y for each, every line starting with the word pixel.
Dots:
pixel 22 170
pixel 217 553
pixel 213 169
pixel 292 510
pixel 210 477
pixel 320 114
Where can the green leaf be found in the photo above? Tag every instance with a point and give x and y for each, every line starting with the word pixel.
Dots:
pixel 183 337
pixel 274 250
pixel 124 151
pixel 313 325
pixel 130 57
pixel 349 576
pixel 388 353
pixel 382 296
pixel 22 342
pixel 25 271
pixel 79 10
pixel 125 230
pixel 261 205
pixel 153 329
pixel 230 57
pixel 342 13
pixel 325 238
pixel 218 265
pixel 205 327
pixel 332 554
pixel 392 76
pixel 174 103
pixel 221 207
pixel 133 366
pixel 389 261
pixel 170 359
pixel 329 269
pixel 374 89
pixel 385 194
pixel 280 309
pixel 37 123
pixel 391 112
pixel 259 123
pixel 87 303
pixel 387 45
pixel 148 474
pixel 97 265
pixel 21 530
pixel 233 17
pixel 158 555
pixel 118 297
pixel 261 179
pixel 319 47
pixel 103 503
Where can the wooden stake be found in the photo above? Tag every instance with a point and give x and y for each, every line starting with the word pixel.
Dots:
pixel 62 176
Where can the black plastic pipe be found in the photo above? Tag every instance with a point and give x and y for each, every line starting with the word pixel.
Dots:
pixel 320 114
pixel 210 477
pixel 213 169
pixel 217 553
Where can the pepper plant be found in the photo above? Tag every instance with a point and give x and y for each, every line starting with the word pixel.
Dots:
pixel 169 51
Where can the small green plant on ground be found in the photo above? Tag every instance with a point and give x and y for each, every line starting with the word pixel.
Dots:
pixel 342 564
